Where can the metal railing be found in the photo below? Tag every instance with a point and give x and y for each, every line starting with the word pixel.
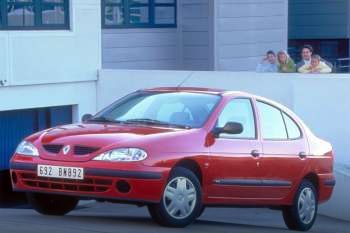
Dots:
pixel 342 65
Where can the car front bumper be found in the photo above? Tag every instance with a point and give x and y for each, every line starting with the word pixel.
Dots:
pixel 120 182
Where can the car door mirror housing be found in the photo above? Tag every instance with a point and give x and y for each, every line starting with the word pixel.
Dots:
pixel 86 117
pixel 229 128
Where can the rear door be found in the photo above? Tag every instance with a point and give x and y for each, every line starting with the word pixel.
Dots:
pixel 284 149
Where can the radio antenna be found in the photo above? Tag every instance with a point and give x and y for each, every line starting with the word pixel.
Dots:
pixel 187 78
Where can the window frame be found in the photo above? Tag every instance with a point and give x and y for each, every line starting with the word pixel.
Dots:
pixel 126 13
pixel 284 123
pixel 38 24
pixel 298 126
pixel 254 118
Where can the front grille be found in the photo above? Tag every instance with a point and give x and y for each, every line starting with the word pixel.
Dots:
pixel 78 150
pixel 95 185
pixel 84 150
pixel 53 148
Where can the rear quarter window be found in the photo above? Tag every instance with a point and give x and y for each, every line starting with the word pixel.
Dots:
pixel 292 127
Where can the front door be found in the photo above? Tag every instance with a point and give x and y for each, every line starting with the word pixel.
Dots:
pixel 234 166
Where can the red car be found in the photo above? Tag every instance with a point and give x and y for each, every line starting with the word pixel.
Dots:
pixel 179 150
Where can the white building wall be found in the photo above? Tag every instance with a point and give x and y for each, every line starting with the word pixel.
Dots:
pixel 326 114
pixel 54 56
pixel 42 68
pixel 81 95
pixel 246 29
pixel 318 19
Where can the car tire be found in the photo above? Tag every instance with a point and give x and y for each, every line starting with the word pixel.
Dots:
pixel 201 211
pixel 302 214
pixel 48 204
pixel 181 202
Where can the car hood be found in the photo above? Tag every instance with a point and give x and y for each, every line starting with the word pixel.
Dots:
pixel 85 141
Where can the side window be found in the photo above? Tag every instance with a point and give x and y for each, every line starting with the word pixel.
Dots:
pixel 240 111
pixel 292 128
pixel 271 121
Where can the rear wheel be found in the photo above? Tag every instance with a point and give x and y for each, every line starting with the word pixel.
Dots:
pixel 181 201
pixel 49 204
pixel 302 214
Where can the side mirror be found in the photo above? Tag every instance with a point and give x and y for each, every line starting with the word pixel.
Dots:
pixel 229 128
pixel 86 117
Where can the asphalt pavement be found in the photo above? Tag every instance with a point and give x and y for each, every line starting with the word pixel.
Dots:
pixel 105 217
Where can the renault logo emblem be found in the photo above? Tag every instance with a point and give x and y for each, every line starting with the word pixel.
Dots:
pixel 66 149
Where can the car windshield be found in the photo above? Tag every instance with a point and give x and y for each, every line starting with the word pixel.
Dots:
pixel 168 109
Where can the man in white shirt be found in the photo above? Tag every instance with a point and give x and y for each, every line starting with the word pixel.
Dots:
pixel 306 54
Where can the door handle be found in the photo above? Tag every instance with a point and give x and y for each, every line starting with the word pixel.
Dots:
pixel 302 155
pixel 255 153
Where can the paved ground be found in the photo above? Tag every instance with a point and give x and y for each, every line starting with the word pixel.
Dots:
pixel 99 217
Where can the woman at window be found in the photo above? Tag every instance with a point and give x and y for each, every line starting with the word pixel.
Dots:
pixel 285 63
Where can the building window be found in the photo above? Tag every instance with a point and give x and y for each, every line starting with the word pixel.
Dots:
pixel 34 14
pixel 138 13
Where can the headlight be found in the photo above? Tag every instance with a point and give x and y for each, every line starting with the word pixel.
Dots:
pixel 122 155
pixel 27 148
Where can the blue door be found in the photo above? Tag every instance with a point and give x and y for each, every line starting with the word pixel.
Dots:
pixel 18 124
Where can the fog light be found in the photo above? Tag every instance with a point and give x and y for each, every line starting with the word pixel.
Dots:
pixel 123 186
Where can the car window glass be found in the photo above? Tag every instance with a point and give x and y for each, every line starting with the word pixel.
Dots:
pixel 134 108
pixel 184 109
pixel 271 121
pixel 292 128
pixel 240 111
pixel 165 111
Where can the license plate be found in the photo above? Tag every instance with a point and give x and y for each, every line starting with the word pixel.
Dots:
pixel 73 173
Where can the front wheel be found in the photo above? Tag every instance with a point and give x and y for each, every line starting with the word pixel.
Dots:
pixel 181 201
pixel 302 214
pixel 49 204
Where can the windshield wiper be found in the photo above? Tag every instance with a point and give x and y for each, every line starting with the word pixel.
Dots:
pixel 103 119
pixel 155 122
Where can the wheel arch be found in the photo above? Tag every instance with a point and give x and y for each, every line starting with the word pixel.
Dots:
pixel 314 179
pixel 191 165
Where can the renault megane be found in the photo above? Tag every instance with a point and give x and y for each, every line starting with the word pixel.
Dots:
pixel 178 151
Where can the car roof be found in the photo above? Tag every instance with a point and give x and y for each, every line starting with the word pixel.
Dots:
pixel 200 90
pixel 221 92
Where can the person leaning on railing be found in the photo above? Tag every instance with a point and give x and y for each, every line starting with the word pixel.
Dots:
pixel 306 54
pixel 316 66
pixel 268 63
pixel 285 62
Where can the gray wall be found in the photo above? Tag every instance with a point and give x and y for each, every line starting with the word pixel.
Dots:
pixel 246 29
pixel 185 47
pixel 318 19
pixel 149 48
pixel 211 35
pixel 195 19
